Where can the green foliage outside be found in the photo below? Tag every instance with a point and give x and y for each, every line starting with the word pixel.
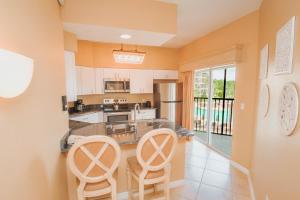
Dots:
pixel 218 86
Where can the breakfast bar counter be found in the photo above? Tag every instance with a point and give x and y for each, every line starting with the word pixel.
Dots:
pixel 127 134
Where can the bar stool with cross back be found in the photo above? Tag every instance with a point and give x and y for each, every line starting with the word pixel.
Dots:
pixel 93 161
pixel 152 164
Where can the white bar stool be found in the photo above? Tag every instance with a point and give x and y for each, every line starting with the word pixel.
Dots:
pixel 152 164
pixel 93 160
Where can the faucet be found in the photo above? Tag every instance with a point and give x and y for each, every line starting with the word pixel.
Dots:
pixel 136 108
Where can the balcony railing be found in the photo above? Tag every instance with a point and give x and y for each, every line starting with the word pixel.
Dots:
pixel 221 115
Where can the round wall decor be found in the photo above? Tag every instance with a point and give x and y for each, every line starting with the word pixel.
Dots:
pixel 288 109
pixel 265 99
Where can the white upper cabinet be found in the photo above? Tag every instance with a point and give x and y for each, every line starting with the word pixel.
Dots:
pixel 109 73
pixel 141 81
pixel 71 82
pixel 99 81
pixel 86 80
pixel 165 74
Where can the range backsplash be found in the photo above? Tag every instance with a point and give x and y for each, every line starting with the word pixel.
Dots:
pixel 131 98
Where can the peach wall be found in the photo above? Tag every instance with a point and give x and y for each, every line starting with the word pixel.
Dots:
pixel 243 32
pixel 100 55
pixel 32 124
pixel 276 160
pixel 154 16
pixel 70 41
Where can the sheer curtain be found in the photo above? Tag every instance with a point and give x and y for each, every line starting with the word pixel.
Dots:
pixel 188 99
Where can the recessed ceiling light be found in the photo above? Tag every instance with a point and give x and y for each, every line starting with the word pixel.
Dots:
pixel 125 36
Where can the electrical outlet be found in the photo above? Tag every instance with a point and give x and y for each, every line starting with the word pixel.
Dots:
pixel 267 197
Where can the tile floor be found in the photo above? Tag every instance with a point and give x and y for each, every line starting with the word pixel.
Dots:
pixel 222 143
pixel 209 176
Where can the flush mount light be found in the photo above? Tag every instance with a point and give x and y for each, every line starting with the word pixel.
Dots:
pixel 128 56
pixel 125 36
pixel 15 73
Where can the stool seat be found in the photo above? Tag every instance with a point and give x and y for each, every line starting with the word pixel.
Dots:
pixel 137 169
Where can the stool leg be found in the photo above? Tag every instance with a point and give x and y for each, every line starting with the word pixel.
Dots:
pixel 114 190
pixel 141 190
pixel 129 184
pixel 166 188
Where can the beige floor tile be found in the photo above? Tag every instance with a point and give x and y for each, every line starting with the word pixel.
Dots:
pixel 195 161
pixel 218 157
pixel 175 196
pixel 212 193
pixel 193 173
pixel 218 166
pixel 204 153
pixel 216 179
pixel 188 191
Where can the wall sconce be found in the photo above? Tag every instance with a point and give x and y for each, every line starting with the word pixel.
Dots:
pixel 15 73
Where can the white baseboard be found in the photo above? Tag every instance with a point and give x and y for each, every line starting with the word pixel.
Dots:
pixel 252 192
pixel 246 172
pixel 240 167
pixel 173 184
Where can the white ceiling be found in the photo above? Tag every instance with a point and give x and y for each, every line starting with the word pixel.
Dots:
pixel 112 35
pixel 197 18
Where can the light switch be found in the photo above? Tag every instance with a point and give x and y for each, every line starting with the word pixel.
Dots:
pixel 242 106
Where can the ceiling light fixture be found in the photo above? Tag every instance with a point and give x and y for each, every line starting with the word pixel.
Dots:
pixel 128 56
pixel 125 36
pixel 15 73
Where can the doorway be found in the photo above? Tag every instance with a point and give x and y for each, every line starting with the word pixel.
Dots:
pixel 213 106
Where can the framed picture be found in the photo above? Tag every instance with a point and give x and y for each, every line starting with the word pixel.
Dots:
pixel 285 48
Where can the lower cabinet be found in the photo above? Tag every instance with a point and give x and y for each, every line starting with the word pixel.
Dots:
pixel 144 114
pixel 90 118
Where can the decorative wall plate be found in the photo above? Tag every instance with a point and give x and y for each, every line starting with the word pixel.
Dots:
pixel 265 99
pixel 264 58
pixel 288 109
pixel 285 48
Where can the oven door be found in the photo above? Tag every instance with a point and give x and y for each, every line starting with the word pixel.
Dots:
pixel 117 117
pixel 111 86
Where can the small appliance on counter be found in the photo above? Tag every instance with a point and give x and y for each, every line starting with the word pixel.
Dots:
pixel 79 106
pixel 147 104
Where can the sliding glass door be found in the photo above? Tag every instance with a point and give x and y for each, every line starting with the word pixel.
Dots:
pixel 214 99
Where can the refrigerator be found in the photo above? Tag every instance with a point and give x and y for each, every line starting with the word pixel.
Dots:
pixel 168 101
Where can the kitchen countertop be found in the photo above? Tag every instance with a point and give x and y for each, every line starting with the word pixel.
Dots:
pixel 129 136
pixel 77 114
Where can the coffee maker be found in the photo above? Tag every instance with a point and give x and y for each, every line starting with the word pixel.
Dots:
pixel 79 106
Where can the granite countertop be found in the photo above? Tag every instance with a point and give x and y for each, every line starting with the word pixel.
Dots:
pixel 90 111
pixel 123 132
pixel 76 114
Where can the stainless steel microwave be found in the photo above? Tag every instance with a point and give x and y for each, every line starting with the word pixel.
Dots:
pixel 116 86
